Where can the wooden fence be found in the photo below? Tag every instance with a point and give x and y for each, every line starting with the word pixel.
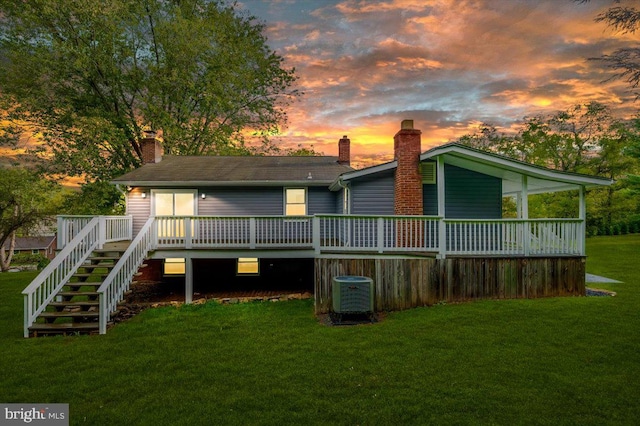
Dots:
pixel 407 283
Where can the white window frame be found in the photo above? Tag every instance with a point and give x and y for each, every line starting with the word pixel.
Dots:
pixel 306 200
pixel 174 261
pixel 346 200
pixel 247 261
pixel 174 191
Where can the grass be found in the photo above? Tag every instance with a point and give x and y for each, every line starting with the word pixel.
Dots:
pixel 544 361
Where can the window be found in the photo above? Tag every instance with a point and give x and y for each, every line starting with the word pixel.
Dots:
pixel 295 201
pixel 248 266
pixel 35 251
pixel 174 266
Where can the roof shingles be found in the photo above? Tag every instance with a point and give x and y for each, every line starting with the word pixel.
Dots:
pixel 237 169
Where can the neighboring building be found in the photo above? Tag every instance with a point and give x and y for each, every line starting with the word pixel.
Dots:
pixel 45 246
pixel 426 227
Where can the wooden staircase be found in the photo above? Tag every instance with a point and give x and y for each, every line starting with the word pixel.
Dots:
pixel 75 309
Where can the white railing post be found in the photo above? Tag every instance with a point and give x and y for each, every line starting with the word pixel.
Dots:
pixel 527 237
pixel 442 238
pixel 27 302
pixel 380 236
pixel 102 231
pixel 315 235
pixel 130 228
pixel 252 232
pixel 188 241
pixel 62 232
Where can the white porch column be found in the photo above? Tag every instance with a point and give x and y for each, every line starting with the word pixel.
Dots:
pixel 524 198
pixel 442 228
pixel 524 214
pixel 188 280
pixel 582 215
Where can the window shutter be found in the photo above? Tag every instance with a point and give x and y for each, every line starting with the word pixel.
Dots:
pixel 428 172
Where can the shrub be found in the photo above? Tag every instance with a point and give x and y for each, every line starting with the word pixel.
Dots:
pixel 30 259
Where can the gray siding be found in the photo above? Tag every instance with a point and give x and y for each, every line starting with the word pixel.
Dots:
pixel 471 195
pixel 139 208
pixel 373 195
pixel 321 200
pixel 241 201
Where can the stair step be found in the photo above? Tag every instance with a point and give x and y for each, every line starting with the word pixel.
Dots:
pixel 83 303
pixel 87 275
pixel 101 258
pixel 108 253
pixel 98 265
pixel 83 284
pixel 64 328
pixel 66 314
pixel 77 293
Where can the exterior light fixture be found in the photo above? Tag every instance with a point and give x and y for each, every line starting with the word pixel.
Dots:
pixel 203 196
pixel 143 195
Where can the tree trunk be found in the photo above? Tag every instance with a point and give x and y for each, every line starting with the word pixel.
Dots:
pixel 6 257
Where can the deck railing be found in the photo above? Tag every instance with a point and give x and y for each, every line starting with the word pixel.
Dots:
pixel 55 275
pixel 358 233
pixel 111 292
pixel 112 228
pixel 240 232
pixel 514 237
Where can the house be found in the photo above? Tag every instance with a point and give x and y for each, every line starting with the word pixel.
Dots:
pixel 43 245
pixel 426 227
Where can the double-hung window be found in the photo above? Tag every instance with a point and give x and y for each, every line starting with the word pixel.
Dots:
pixel 295 201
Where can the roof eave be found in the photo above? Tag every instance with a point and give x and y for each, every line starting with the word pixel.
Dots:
pixel 207 183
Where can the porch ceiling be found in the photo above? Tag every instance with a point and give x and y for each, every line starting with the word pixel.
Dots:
pixel 539 179
pixel 512 180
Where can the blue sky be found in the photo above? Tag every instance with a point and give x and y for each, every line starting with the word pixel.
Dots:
pixel 447 64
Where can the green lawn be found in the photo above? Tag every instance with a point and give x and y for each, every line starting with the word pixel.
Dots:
pixel 545 361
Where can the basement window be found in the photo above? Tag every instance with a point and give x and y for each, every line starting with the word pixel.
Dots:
pixel 174 266
pixel 248 266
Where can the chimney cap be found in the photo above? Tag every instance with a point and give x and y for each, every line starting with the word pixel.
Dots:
pixel 149 134
pixel 406 124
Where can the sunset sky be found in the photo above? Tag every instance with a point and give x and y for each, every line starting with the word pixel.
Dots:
pixel 447 64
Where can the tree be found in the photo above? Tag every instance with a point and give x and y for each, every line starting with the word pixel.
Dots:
pixel 91 75
pixel 625 62
pixel 95 198
pixel 25 201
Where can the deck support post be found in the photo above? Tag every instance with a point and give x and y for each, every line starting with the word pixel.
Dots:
pixel 442 227
pixel 188 280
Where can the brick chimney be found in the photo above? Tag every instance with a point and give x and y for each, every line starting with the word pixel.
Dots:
pixel 408 180
pixel 151 148
pixel 344 151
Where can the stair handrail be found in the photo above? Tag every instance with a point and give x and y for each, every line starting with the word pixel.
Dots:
pixel 119 279
pixel 57 273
